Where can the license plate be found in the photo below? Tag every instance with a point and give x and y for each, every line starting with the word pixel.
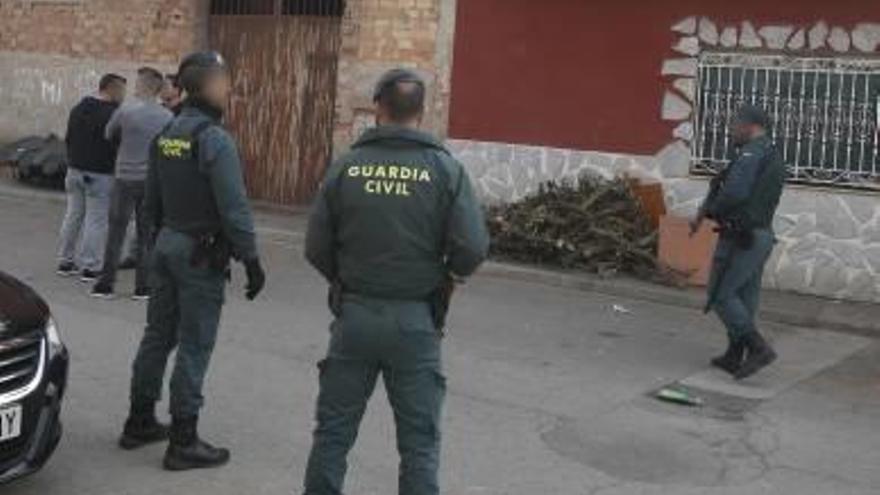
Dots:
pixel 10 422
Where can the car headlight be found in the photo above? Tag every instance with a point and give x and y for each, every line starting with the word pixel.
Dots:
pixel 52 335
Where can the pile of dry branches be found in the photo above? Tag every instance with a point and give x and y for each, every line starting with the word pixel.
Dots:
pixel 594 224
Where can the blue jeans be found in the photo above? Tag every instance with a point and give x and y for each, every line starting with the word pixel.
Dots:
pixel 127 198
pixel 84 230
pixel 738 272
pixel 132 243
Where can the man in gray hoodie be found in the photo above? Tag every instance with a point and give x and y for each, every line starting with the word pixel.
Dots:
pixel 136 125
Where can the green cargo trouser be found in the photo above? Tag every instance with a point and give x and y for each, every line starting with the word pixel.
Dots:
pixel 398 340
pixel 738 273
pixel 183 312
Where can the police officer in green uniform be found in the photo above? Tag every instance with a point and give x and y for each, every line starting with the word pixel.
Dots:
pixel 742 201
pixel 395 220
pixel 196 200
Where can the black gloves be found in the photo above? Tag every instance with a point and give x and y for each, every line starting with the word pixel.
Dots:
pixel 256 278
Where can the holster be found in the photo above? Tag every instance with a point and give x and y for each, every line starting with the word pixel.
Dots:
pixel 212 251
pixel 440 301
pixel 737 230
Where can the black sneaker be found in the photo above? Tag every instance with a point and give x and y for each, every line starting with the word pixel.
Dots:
pixel 67 269
pixel 139 432
pixel 102 290
pixel 127 264
pixel 141 294
pixel 89 276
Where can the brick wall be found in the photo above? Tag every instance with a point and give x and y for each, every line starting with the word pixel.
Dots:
pixel 52 52
pixel 142 30
pixel 382 34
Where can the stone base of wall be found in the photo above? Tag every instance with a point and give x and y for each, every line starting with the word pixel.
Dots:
pixel 829 244
pixel 37 91
pixel 829 241
pixel 508 172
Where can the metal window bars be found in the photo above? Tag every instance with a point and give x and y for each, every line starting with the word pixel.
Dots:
pixel 320 8
pixel 825 113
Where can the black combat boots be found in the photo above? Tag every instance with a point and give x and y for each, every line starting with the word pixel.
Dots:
pixel 732 358
pixel 759 354
pixel 142 428
pixel 187 451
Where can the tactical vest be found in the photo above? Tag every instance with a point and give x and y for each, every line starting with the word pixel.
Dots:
pixel 188 203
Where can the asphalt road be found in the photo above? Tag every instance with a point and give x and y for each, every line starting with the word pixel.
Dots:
pixel 549 392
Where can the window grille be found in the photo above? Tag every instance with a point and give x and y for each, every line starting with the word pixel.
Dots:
pixel 243 7
pixel 322 8
pixel 825 113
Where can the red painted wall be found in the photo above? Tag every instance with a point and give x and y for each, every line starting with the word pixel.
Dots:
pixel 586 74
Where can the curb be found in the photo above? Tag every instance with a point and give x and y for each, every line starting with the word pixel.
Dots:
pixel 9 188
pixel 777 307
pixel 789 309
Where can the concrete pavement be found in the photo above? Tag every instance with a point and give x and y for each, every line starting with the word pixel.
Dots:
pixel 777 307
pixel 548 391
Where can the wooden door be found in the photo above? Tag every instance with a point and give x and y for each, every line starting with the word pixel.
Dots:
pixel 283 58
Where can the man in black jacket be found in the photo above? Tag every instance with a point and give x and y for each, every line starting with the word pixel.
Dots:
pixel 89 180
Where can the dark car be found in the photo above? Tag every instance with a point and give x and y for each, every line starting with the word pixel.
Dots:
pixel 33 377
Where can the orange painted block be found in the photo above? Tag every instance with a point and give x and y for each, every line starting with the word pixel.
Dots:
pixel 652 200
pixel 689 257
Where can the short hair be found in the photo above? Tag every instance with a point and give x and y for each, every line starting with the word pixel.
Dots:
pixel 404 100
pixel 152 79
pixel 110 79
pixel 173 80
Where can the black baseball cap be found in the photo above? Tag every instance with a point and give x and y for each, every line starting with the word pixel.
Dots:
pixel 393 77
pixel 751 114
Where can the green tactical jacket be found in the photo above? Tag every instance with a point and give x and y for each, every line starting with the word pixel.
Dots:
pixel 395 216
pixel 751 186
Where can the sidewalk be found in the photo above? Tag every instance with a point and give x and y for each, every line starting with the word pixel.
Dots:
pixel 778 307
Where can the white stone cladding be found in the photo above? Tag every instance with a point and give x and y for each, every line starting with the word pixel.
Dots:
pixel 696 35
pixel 829 239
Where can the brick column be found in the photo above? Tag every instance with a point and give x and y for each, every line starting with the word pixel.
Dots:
pixel 52 52
pixel 382 34
pixel 124 30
